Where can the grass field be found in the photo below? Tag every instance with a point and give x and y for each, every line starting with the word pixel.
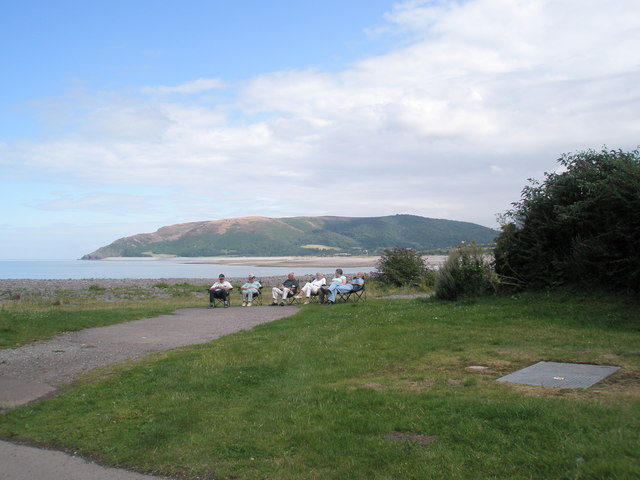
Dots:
pixel 380 390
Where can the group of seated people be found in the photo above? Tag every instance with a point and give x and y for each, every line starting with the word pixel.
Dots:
pixel 318 286
pixel 222 288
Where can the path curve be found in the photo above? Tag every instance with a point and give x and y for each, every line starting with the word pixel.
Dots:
pixel 38 370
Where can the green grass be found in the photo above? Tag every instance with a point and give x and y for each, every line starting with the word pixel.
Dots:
pixel 312 396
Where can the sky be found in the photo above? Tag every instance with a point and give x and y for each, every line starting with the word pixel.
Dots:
pixel 119 117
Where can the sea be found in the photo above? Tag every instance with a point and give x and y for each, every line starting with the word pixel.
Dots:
pixel 143 268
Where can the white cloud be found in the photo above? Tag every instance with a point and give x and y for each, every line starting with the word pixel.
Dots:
pixel 189 88
pixel 481 96
pixel 125 204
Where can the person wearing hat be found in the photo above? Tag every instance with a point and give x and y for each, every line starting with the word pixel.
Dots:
pixel 220 289
pixel 249 289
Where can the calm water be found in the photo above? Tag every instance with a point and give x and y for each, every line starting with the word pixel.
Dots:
pixel 149 268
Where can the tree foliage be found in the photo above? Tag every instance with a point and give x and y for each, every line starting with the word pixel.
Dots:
pixel 580 226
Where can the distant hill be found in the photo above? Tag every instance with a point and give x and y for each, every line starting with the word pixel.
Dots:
pixel 262 236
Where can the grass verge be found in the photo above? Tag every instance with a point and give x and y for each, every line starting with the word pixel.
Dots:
pixel 380 390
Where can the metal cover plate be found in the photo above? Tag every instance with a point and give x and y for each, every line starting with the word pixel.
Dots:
pixel 563 375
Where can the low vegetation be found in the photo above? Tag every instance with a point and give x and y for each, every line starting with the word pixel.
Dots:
pixel 373 390
pixel 467 272
pixel 401 267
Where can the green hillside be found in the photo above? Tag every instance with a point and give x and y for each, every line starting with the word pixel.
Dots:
pixel 261 236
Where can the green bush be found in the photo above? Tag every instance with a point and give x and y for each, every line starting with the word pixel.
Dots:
pixel 579 227
pixel 403 267
pixel 466 273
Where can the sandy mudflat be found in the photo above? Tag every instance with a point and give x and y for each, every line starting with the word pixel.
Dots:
pixel 344 262
pixel 347 261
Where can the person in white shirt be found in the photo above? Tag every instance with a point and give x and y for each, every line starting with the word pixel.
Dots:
pixel 313 287
pixel 220 289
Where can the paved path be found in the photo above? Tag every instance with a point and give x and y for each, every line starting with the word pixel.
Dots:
pixel 35 371
pixel 18 462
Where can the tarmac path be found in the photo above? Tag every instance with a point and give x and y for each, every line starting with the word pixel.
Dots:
pixel 35 371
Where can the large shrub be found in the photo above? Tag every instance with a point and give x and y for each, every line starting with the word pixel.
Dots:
pixel 467 272
pixel 403 267
pixel 581 226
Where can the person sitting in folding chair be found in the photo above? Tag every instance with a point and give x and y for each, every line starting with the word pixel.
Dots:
pixel 249 290
pixel 312 288
pixel 356 283
pixel 220 289
pixel 338 279
pixel 288 288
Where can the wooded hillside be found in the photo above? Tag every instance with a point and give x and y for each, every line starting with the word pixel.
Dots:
pixel 262 236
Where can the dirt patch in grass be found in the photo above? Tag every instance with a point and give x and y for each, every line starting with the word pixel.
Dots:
pixel 417 385
pixel 413 437
pixel 625 381
pixel 374 386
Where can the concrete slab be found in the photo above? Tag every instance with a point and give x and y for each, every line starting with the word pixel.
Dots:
pixel 14 392
pixel 562 375
pixel 20 462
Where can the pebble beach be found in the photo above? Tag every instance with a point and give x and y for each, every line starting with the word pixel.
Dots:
pixel 27 284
